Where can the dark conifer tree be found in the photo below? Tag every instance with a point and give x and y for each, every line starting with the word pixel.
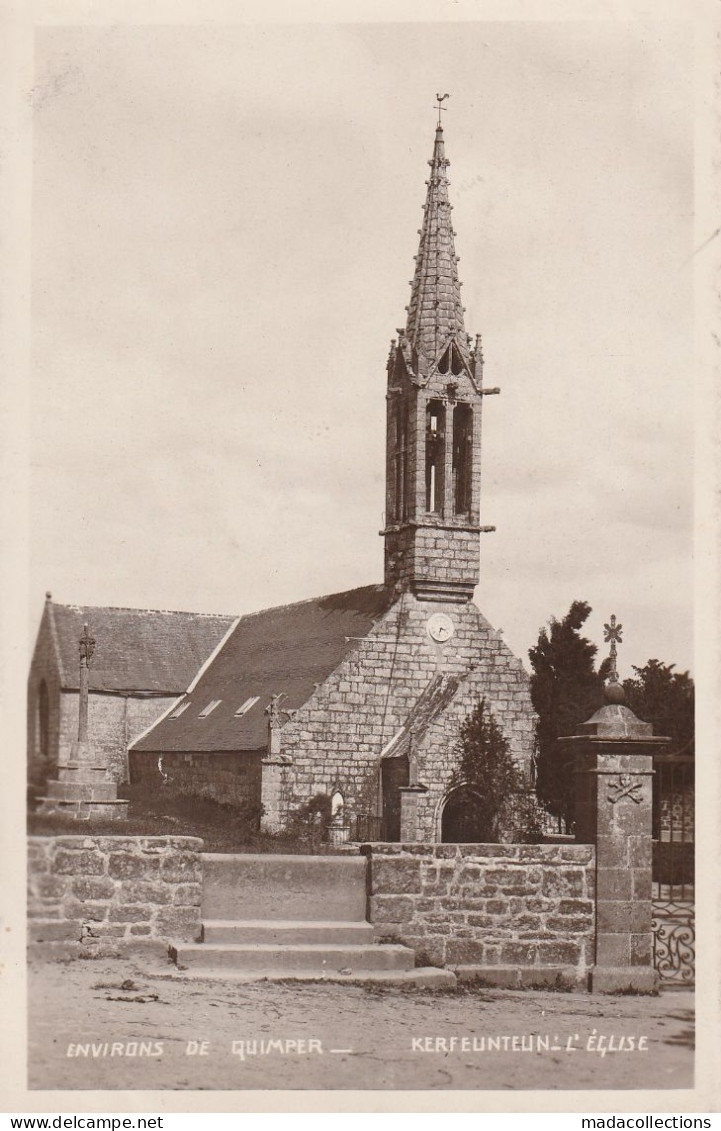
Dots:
pixel 565 690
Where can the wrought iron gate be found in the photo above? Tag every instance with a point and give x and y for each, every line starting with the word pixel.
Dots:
pixel 674 928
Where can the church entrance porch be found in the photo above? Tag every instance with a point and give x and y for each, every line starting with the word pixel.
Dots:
pixel 463 820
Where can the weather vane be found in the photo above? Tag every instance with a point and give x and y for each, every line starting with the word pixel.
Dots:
pixel 612 634
pixel 441 99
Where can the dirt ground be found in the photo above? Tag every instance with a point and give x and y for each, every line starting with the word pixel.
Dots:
pixel 342 1037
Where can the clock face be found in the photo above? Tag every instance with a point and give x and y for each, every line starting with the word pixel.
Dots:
pixel 440 627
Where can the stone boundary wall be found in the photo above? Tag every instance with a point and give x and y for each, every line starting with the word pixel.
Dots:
pixel 108 895
pixel 510 914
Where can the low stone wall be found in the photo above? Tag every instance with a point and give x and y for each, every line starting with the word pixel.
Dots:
pixel 511 914
pixel 108 895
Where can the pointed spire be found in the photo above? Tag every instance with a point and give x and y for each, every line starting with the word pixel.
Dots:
pixel 435 312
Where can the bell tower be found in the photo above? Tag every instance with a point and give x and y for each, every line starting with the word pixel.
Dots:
pixel 433 438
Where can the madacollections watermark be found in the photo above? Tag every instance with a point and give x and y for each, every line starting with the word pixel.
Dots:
pixel 595 1042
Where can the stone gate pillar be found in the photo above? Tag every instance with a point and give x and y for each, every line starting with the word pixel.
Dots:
pixel 411 796
pixel 613 764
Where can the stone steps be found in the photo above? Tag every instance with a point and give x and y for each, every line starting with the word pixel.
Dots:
pixel 284 887
pixel 82 791
pixel 267 958
pixel 293 918
pixel 286 932
pixel 83 809
pixel 421 977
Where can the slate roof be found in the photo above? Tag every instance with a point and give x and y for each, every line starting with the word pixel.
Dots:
pixel 135 649
pixel 286 650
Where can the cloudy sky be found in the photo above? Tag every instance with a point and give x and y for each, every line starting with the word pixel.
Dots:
pixel 224 220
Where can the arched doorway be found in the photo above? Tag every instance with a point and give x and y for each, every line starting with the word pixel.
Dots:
pixel 463 820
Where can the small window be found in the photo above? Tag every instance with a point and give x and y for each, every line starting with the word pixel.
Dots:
pixel 179 710
pixel 245 707
pixel 211 707
pixel 43 720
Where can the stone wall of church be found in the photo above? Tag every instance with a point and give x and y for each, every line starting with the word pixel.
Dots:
pixel 229 777
pixel 113 722
pixel 439 554
pixel 336 739
pixel 511 912
pixel 43 669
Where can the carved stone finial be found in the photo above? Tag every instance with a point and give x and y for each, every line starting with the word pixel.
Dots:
pixel 613 690
pixel 273 710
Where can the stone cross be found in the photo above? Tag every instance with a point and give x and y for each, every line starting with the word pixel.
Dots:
pixel 87 647
pixel 612 633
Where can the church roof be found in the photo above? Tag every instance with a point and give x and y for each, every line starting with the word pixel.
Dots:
pixel 435 311
pixel 135 649
pixel 285 651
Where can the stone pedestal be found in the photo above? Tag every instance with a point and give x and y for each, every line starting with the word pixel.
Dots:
pixel 83 789
pixel 411 795
pixel 613 758
pixel 272 781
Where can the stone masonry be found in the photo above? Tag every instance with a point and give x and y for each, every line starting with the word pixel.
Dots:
pixel 509 914
pixel 108 895
pixel 613 756
pixel 335 740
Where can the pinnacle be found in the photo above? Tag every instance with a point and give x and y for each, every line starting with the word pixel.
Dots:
pixel 435 313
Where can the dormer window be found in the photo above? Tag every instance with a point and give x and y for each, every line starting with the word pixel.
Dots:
pixel 179 710
pixel 210 707
pixel 245 707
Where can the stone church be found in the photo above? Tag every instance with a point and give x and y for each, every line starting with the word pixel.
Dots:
pixel 360 695
pixel 145 659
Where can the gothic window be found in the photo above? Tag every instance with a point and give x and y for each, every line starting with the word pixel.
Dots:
pixel 462 458
pixel 400 462
pixel 337 805
pixel 43 720
pixel 451 361
pixel 435 455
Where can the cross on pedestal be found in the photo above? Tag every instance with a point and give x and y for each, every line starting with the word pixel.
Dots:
pixel 612 633
pixel 86 645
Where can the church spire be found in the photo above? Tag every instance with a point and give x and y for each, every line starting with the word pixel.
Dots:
pixel 435 312
pixel 433 445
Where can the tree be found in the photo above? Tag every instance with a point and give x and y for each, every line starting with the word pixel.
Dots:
pixel 486 767
pixel 665 698
pixel 565 690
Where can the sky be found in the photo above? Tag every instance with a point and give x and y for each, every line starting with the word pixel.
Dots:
pixel 224 220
